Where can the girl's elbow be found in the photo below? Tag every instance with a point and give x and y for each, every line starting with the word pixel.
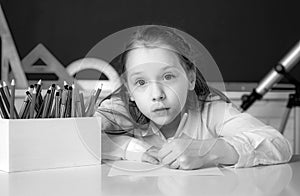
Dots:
pixel 285 150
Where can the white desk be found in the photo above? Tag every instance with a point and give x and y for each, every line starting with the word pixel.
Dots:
pixel 93 181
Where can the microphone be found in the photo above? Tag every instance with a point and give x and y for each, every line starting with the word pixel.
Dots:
pixel 274 76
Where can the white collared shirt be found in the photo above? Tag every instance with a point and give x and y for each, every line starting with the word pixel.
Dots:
pixel 255 142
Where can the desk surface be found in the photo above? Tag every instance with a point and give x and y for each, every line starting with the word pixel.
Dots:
pixel 272 180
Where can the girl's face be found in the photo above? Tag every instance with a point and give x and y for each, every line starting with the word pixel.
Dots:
pixel 158 84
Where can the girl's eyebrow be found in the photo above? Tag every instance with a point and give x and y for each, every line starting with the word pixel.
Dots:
pixel 169 67
pixel 164 68
pixel 135 73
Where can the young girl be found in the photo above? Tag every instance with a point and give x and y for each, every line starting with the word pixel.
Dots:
pixel 166 113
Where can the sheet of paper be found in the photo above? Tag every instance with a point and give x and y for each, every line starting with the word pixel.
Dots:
pixel 132 168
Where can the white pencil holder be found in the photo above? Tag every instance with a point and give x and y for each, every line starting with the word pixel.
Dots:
pixel 36 144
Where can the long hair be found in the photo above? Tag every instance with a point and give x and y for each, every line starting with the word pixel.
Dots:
pixel 161 37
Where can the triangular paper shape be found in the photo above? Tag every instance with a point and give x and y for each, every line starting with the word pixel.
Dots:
pixel 52 66
pixel 10 57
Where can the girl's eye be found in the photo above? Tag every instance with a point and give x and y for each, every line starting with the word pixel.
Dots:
pixel 168 76
pixel 140 82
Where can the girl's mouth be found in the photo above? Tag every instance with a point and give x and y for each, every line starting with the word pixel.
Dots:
pixel 160 111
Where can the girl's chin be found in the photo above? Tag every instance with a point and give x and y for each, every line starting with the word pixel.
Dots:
pixel 160 121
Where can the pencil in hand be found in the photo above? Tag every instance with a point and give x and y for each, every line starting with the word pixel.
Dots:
pixel 181 125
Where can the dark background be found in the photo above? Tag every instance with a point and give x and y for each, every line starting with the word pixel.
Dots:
pixel 246 38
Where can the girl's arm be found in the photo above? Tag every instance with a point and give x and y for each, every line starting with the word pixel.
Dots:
pixel 187 153
pixel 117 147
pixel 120 146
pixel 228 138
pixel 253 141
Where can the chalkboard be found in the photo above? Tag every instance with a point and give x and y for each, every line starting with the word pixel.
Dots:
pixel 246 38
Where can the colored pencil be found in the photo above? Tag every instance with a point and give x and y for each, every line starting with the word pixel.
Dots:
pixel 81 99
pixel 3 109
pixel 57 105
pixel 24 107
pixel 32 104
pixel 98 93
pixel 12 100
pixel 5 100
pixel 73 101
pixel 63 103
pixel 46 104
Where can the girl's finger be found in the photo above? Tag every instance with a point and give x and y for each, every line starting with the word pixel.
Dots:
pixel 175 165
pixel 170 157
pixel 164 151
pixel 153 152
pixel 181 125
pixel 149 159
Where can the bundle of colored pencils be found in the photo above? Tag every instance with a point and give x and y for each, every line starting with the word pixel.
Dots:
pixel 55 103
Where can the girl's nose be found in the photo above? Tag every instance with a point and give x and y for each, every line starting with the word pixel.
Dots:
pixel 157 92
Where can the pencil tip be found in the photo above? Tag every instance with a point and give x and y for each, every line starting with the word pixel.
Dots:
pixel 4 83
pixel 97 86
pixel 40 81
pixel 13 82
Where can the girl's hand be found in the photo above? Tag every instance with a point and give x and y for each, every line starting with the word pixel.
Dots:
pixel 193 154
pixel 185 153
pixel 150 156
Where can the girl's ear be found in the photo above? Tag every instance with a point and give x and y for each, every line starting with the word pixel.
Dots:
pixel 192 79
